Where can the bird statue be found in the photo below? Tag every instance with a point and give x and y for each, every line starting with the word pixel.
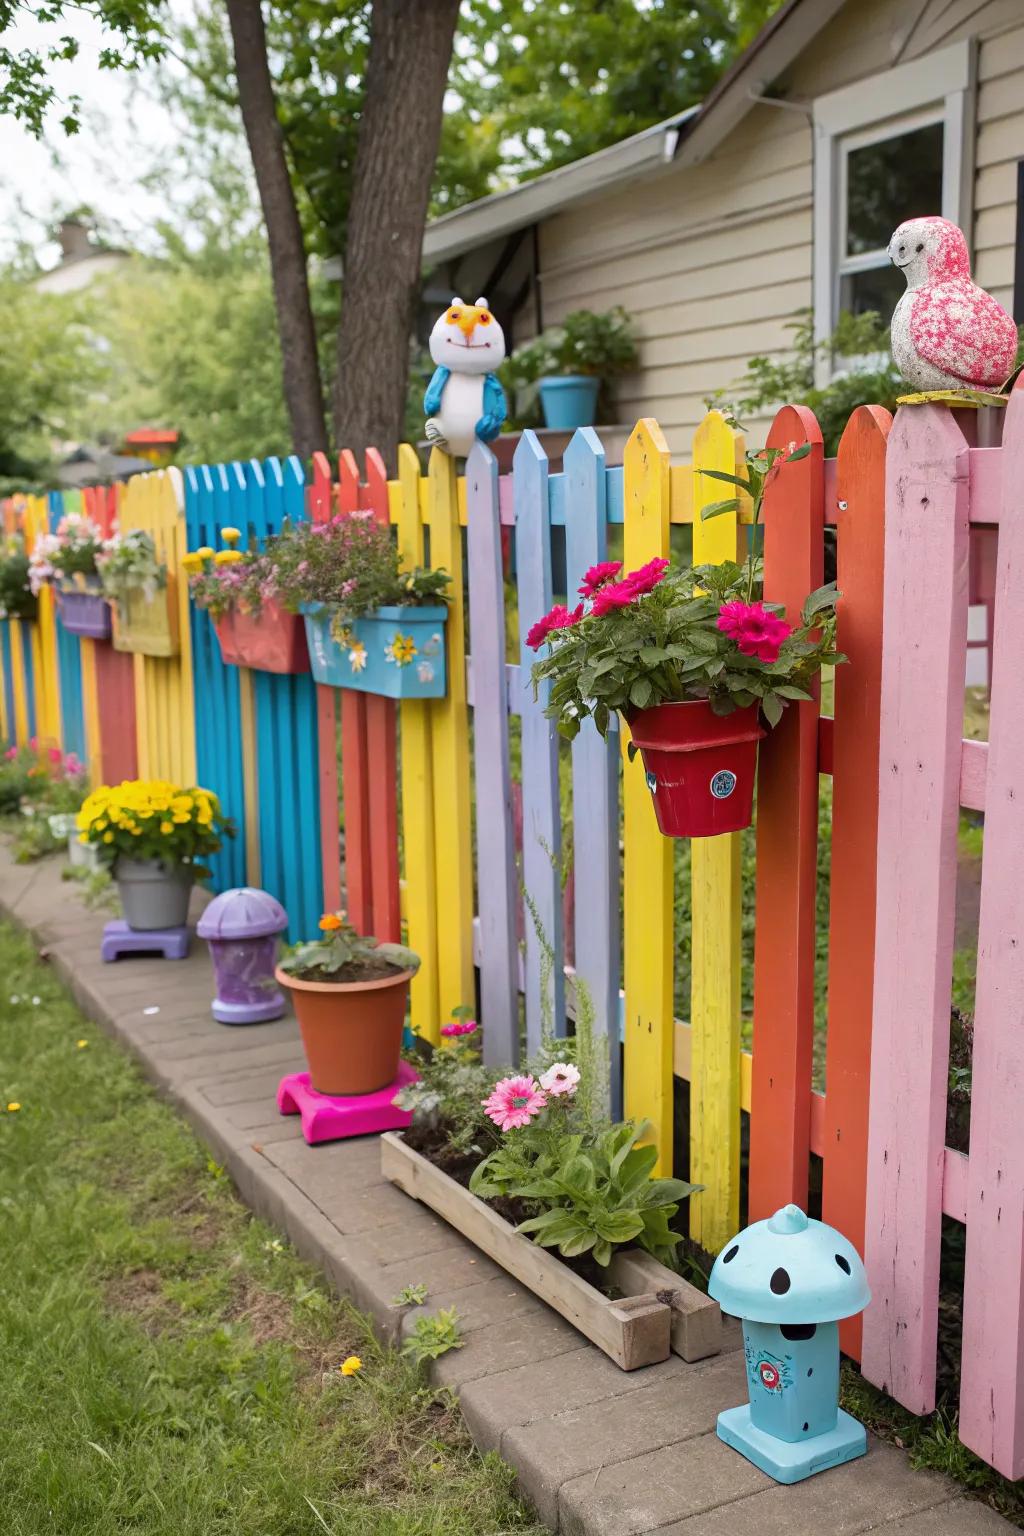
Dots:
pixel 464 401
pixel 947 333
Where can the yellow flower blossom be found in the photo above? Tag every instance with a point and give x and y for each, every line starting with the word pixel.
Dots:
pixel 205 552
pixel 108 837
pixel 192 562
pixel 347 1367
pixel 166 828
pixel 81 1044
pixel 330 922
pixel 228 557
pixel 13 1108
pixel 230 536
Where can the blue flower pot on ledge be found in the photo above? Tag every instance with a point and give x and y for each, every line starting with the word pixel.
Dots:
pixel 398 652
pixel 569 402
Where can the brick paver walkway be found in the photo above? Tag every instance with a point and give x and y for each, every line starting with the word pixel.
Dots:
pixel 599 1452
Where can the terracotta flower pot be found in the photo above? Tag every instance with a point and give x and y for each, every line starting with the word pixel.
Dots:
pixel 351 1031
pixel 272 640
pixel 700 766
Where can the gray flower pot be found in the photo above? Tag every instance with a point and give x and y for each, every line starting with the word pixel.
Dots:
pixel 153 895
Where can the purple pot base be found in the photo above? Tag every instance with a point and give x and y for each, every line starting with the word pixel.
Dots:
pixel 329 1118
pixel 249 1013
pixel 119 939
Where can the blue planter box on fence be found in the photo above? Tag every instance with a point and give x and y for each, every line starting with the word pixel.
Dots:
pixel 398 652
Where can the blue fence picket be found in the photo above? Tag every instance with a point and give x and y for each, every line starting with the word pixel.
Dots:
pixel 8 671
pixel 542 831
pixel 497 890
pixel 595 772
pixel 215 692
pixel 69 663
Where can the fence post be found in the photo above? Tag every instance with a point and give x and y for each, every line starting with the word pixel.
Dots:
pixel 497 886
pixel 715 991
pixel 926 549
pixel 860 524
pixel 421 894
pixel 647 858
pixel 450 750
pixel 595 773
pixel 992 1385
pixel 787 848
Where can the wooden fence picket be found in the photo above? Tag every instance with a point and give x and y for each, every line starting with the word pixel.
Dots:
pixel 926 544
pixel 320 507
pixel 992 1372
pixel 496 883
pixel 544 982
pixel 787 844
pixel 647 860
pixel 860 519
pixel 595 773
pixel 69 659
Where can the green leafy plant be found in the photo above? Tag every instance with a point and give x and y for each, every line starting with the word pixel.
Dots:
pixel 433 1336
pixel 452 1084
pixel 351 565
pixel 127 563
pixel 17 600
pixel 341 955
pixel 596 1192
pixel 410 1296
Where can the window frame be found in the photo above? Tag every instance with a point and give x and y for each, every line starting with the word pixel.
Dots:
pixel 939 87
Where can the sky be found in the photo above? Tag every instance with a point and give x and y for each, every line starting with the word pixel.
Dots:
pixel 124 130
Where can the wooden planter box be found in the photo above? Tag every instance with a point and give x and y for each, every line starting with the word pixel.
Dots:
pixel 147 626
pixel 397 652
pixel 666 1314
pixel 83 609
pixel 272 640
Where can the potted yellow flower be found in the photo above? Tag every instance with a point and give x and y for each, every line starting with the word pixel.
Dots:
pixel 154 834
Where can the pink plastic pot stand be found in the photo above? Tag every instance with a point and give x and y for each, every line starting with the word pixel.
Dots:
pixel 326 1117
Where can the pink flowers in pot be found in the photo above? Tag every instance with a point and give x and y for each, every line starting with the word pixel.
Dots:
pixel 756 631
pixel 515 1101
pixel 604 593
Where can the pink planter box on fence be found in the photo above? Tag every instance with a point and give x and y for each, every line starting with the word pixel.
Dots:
pixel 272 640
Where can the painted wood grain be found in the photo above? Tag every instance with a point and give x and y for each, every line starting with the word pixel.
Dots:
pixel 926 535
pixel 992 1378
pixel 647 856
pixel 787 842
pixel 542 825
pixel 595 774
pixel 320 504
pixel 496 883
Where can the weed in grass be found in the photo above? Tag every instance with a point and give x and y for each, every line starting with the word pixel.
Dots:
pixel 410 1296
pixel 433 1337
pixel 170 1366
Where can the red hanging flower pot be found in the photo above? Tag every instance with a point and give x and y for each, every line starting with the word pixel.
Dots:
pixel 700 766
pixel 272 640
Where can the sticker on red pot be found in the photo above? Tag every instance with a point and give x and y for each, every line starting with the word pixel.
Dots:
pixel 723 783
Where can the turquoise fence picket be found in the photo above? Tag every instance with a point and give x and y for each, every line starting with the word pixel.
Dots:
pixel 8 671
pixel 69 664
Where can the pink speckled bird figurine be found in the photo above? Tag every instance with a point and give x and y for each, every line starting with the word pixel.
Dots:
pixel 947 333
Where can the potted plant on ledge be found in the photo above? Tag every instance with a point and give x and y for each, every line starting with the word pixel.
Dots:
pixel 350 995
pixel 692 659
pixel 566 366
pixel 155 835
pixel 370 626
pixel 67 559
pixel 135 580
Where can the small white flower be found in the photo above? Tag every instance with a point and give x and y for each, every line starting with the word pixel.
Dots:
pixel 36 1001
pixel 15 1000
pixel 561 1077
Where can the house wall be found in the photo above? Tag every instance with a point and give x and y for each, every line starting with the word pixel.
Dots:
pixel 713 260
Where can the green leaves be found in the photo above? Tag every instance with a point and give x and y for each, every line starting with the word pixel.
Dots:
pixel 716 508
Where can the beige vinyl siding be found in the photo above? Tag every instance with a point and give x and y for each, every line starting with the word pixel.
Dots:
pixel 714 260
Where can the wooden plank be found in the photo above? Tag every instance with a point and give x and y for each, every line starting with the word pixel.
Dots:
pixel 497 888
pixel 417 784
pixel 321 507
pixel 715 995
pixel 858 687
pixel 696 1319
pixel 542 822
pixel 926 536
pixel 634 1332
pixel 382 757
pixel 992 1378
pixel 595 775
pixel 973 774
pixel 22 729
pixel 787 844
pixel 450 750
pixel 647 856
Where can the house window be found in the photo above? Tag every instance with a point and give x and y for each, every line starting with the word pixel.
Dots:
pixel 886 149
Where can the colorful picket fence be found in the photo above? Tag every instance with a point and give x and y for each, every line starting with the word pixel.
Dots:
pixel 452 819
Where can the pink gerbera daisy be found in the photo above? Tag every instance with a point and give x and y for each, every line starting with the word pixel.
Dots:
pixel 598 576
pixel 513 1102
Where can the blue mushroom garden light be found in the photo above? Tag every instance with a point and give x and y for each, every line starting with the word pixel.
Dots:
pixel 790 1279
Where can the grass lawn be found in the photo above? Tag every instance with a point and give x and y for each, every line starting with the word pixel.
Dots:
pixel 171 1368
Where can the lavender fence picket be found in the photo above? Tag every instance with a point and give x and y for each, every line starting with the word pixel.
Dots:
pixel 542 833
pixel 926 545
pixel 992 1383
pixel 595 772
pixel 497 893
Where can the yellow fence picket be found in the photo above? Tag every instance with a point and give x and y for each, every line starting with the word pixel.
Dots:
pixel 44 640
pixel 715 945
pixel 420 872
pixel 647 862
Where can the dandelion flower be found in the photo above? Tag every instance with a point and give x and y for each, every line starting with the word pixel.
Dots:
pixel 13 1107
pixel 351 1365
pixel 81 1044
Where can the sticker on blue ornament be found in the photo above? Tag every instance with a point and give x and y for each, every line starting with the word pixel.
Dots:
pixel 652 782
pixel 723 783
pixel 768 1371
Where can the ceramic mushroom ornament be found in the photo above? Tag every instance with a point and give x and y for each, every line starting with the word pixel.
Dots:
pixel 464 401
pixel 947 333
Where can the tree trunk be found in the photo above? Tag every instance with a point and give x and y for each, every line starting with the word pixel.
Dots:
pixel 300 365
pixel 407 70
